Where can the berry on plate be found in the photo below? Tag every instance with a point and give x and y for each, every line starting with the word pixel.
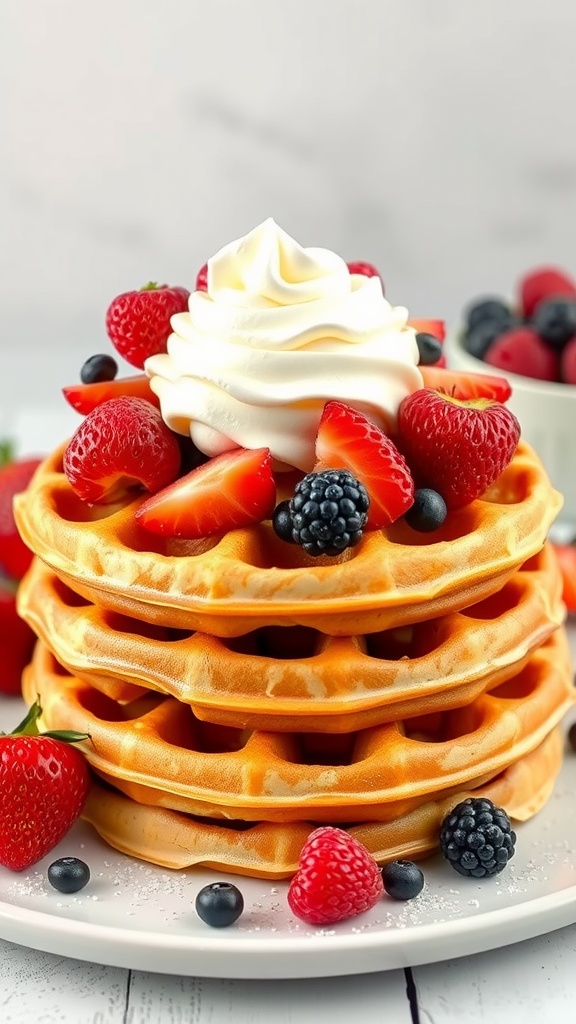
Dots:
pixel 16 641
pixel 85 397
pixel 458 448
pixel 521 350
pixel 327 513
pixel 138 322
pixel 544 283
pixel 219 904
pixel 337 878
pixel 476 838
pixel 403 879
pixel 347 439
pixel 44 783
pixel 226 493
pixel 121 444
pixel 68 874
pixel 466 385
pixel 15 476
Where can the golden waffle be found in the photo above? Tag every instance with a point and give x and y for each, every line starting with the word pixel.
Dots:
pixel 249 578
pixel 295 679
pixel 155 750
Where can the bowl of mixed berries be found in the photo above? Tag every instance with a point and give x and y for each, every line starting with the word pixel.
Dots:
pixel 531 341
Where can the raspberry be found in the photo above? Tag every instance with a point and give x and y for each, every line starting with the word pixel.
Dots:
pixel 521 350
pixel 476 837
pixel 202 279
pixel 543 284
pixel 328 512
pixel 337 878
pixel 568 362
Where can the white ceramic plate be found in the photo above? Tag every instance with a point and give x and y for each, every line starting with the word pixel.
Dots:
pixel 134 915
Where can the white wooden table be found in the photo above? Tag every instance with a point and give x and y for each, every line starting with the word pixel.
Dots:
pixel 530 981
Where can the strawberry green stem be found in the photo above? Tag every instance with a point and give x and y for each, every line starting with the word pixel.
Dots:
pixel 6 453
pixel 152 286
pixel 29 727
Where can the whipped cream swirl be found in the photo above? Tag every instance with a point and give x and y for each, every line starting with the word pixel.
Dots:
pixel 280 331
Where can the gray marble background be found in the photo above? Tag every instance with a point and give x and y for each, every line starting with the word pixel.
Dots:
pixel 436 138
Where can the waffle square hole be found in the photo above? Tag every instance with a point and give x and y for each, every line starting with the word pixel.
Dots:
pixel 404 642
pixel 285 643
pixel 326 748
pixel 119 623
pixel 496 605
pixel 108 710
pixel 72 509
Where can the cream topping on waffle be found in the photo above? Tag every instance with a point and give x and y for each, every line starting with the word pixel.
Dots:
pixel 280 331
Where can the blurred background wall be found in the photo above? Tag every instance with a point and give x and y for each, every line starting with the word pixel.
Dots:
pixel 436 138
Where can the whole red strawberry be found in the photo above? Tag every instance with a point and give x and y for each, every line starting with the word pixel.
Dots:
pixel 337 878
pixel 122 443
pixel 14 555
pixel 43 785
pixel 138 322
pixel 16 641
pixel 459 448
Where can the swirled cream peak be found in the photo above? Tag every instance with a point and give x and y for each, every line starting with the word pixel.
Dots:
pixel 280 331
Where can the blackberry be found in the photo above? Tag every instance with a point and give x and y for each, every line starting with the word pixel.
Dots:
pixel 329 510
pixel 477 838
pixel 98 368
pixel 219 904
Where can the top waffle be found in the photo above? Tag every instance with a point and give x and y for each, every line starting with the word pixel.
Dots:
pixel 228 585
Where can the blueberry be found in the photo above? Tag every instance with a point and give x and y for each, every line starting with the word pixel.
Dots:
pixel 282 522
pixel 555 321
pixel 429 349
pixel 68 874
pixel 488 309
pixel 98 368
pixel 403 880
pixel 478 339
pixel 219 904
pixel 428 511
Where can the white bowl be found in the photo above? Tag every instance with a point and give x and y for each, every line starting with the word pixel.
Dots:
pixel 547 415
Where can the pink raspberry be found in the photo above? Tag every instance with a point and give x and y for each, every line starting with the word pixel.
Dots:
pixel 337 878
pixel 521 350
pixel 544 283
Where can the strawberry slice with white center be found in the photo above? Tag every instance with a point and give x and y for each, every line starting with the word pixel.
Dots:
pixel 230 491
pixel 347 439
pixel 85 397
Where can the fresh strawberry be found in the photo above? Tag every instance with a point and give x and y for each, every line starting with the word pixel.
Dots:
pixel 521 350
pixel 544 283
pixel 568 362
pixel 347 439
pixel 337 878
pixel 466 385
pixel 365 269
pixel 459 448
pixel 44 783
pixel 122 443
pixel 435 327
pixel 202 279
pixel 566 554
pixel 230 491
pixel 14 478
pixel 138 322
pixel 16 641
pixel 85 397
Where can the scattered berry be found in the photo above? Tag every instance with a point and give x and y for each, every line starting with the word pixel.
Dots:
pixel 544 283
pixel 366 270
pixel 98 368
pixel 202 279
pixel 466 385
pixel 403 879
pixel 328 512
pixel 476 837
pixel 15 476
pixel 85 397
pixel 282 522
pixel 44 783
pixel 488 310
pixel 428 511
pixel 337 878
pixel 568 362
pixel 521 350
pixel 219 904
pixel 138 322
pixel 437 328
pixel 122 443
pixel 16 641
pixel 566 555
pixel 429 348
pixel 555 321
pixel 458 448
pixel 228 492
pixel 479 339
pixel 68 874
pixel 347 439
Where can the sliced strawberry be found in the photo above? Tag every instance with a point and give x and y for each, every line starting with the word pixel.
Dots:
pixel 566 554
pixel 349 440
pixel 435 327
pixel 466 385
pixel 85 397
pixel 228 492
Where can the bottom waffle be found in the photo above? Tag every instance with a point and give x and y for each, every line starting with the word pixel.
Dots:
pixel 271 850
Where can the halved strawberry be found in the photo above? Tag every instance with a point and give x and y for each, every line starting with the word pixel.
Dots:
pixel 85 397
pixel 230 491
pixel 347 439
pixel 566 554
pixel 435 327
pixel 466 385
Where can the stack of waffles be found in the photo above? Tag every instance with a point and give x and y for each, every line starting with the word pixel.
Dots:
pixel 237 692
